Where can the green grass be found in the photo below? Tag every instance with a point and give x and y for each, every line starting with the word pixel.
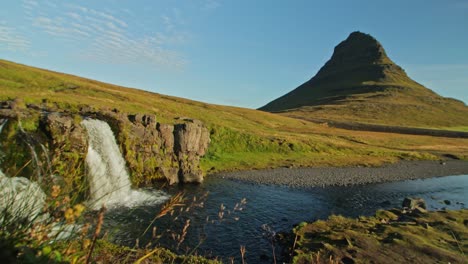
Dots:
pixel 241 138
pixel 457 128
pixel 433 237
pixel 392 108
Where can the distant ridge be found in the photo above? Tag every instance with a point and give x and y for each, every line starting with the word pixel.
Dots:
pixel 361 83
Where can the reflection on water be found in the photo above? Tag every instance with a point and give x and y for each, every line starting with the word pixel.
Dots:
pixel 279 208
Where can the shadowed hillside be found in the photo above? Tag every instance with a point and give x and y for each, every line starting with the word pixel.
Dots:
pixel 361 83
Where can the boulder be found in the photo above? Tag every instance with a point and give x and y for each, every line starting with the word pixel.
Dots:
pixel 413 203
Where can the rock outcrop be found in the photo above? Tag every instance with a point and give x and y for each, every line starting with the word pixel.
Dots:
pixel 152 150
pixel 155 150
pixel 171 151
pixel 191 142
pixel 66 136
pixel 68 146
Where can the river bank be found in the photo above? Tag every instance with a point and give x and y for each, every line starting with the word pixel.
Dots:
pixel 344 176
pixel 393 236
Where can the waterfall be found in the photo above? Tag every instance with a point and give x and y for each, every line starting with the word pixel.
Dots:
pixel 19 197
pixel 22 199
pixel 2 124
pixel 108 177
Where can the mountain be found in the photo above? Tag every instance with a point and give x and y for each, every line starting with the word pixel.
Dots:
pixel 361 83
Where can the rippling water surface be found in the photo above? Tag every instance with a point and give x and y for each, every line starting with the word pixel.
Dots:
pixel 275 207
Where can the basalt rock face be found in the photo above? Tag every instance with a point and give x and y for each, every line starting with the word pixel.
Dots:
pixel 155 150
pixel 65 134
pixel 68 146
pixel 152 150
pixel 191 142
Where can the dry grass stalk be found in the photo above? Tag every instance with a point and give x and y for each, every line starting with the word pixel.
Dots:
pixel 177 200
pixel 242 252
pixel 96 233
pixel 182 236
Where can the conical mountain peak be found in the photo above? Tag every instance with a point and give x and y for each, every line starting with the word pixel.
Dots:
pixel 359 48
pixel 361 83
pixel 358 65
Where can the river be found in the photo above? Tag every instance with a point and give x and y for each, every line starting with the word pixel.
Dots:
pixel 268 209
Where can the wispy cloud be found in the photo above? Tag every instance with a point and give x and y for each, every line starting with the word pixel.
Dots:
pixel 74 15
pixel 57 27
pixel 30 4
pixel 106 36
pixel 11 40
pixel 167 21
pixel 210 4
pixel 99 14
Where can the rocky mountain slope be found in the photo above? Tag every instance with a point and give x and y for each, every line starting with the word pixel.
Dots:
pixel 361 83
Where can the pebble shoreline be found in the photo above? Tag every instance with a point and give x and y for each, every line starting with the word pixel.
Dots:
pixel 337 176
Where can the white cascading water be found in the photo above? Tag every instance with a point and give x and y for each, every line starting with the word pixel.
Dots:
pixel 22 199
pixel 19 197
pixel 108 177
pixel 2 124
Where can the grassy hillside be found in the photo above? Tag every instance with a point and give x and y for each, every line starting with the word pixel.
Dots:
pixel 241 138
pixel 360 83
pixel 391 108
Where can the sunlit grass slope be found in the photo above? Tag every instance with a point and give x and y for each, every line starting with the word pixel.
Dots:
pixel 394 108
pixel 241 138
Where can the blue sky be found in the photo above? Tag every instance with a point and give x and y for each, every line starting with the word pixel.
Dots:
pixel 232 52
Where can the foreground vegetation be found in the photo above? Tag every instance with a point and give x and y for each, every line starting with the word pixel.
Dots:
pixel 241 138
pixel 393 236
pixel 55 228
